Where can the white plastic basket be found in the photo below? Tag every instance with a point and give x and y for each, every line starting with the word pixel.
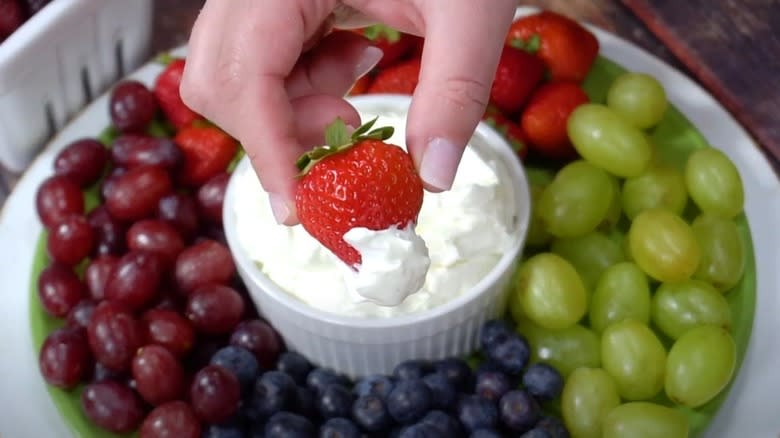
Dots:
pixel 58 61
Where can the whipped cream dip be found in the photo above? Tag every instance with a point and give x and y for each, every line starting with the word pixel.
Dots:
pixel 460 236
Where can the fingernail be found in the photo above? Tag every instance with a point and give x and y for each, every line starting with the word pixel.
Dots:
pixel 280 208
pixel 368 60
pixel 439 163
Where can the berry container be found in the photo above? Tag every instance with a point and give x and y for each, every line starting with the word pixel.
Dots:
pixel 359 346
pixel 58 61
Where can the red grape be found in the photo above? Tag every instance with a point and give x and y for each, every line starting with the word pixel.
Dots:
pixel 82 161
pixel 100 373
pixel 81 314
pixel 211 196
pixel 135 194
pixel 132 106
pixel 71 241
pixel 57 198
pixel 169 329
pixel 159 377
pixel 214 309
pixel 97 273
pixel 114 336
pixel 112 406
pixel 65 358
pixel 109 232
pixel 215 394
pixel 174 419
pixel 59 289
pixel 181 211
pixel 202 263
pixel 260 338
pixel 132 150
pixel 108 183
pixel 135 280
pixel 156 236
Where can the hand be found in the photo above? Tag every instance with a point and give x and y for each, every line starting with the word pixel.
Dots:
pixel 264 73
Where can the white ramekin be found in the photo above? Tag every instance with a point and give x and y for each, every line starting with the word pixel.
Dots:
pixel 361 346
pixel 58 61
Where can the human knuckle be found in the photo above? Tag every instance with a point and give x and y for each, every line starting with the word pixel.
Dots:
pixel 463 91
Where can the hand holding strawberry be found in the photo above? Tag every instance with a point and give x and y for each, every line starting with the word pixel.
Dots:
pixel 356 180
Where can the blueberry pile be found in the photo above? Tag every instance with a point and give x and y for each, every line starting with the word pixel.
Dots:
pixel 503 396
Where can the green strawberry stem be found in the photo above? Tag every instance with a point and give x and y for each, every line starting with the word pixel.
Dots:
pixel 378 31
pixel 531 45
pixel 338 139
pixel 164 58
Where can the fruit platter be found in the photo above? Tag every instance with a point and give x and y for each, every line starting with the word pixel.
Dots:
pixel 640 305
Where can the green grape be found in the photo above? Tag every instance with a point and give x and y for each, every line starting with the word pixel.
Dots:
pixel 663 245
pixel 722 254
pixel 659 187
pixel 681 306
pixel 577 200
pixel 615 210
pixel 566 349
pixel 550 291
pixel 632 354
pixel 714 183
pixel 539 176
pixel 645 420
pixel 607 140
pixel 588 396
pixel 621 293
pixel 700 364
pixel 537 235
pixel 590 255
pixel 639 98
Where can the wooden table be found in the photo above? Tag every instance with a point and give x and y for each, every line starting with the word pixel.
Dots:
pixel 729 50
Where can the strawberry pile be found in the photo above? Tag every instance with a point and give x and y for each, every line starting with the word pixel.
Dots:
pixel 536 87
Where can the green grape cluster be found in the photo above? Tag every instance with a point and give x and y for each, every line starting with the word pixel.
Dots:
pixel 624 290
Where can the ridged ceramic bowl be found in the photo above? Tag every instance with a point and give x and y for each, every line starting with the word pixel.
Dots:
pixel 359 346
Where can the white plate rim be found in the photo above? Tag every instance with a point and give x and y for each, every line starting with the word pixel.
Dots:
pixel 25 406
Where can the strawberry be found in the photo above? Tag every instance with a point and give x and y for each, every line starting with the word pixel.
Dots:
pixel 356 180
pixel 512 132
pixel 361 85
pixel 166 90
pixel 417 48
pixel 544 118
pixel 517 75
pixel 207 151
pixel 400 78
pixel 12 16
pixel 394 44
pixel 566 47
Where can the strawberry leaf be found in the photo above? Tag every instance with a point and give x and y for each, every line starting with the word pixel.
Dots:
pixel 533 44
pixel 336 133
pixel 164 58
pixel 382 133
pixel 364 128
pixel 380 31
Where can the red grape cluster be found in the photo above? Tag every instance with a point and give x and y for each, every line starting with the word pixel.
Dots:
pixel 144 281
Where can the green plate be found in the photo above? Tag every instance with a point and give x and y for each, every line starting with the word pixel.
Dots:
pixel 675 137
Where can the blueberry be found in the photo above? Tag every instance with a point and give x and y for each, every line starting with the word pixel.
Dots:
pixel 412 369
pixel 493 332
pixel 446 424
pixel 488 365
pixel 304 402
pixel 294 364
pixel 536 433
pixel 339 428
pixel 420 430
pixel 334 401
pixel 239 361
pixel 485 433
pixel 223 431
pixel 511 354
pixel 477 413
pixel 289 425
pixel 443 393
pixel 492 385
pixel 519 410
pixel 554 427
pixel 370 412
pixel 375 384
pixel 543 381
pixel 273 392
pixel 409 400
pixel 257 430
pixel 457 372
pixel 319 378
